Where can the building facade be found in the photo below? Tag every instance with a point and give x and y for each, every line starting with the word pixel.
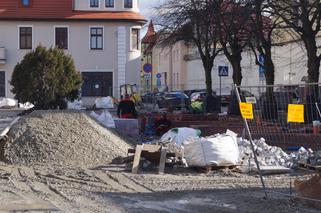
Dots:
pixel 103 37
pixel 179 66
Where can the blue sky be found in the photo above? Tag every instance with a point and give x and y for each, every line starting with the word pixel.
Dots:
pixel 147 5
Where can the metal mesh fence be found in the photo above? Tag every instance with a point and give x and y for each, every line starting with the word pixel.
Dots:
pixel 271 108
pixel 286 116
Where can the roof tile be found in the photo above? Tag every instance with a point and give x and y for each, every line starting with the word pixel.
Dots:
pixel 59 10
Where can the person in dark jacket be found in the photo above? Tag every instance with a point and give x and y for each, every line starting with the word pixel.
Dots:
pixel 126 108
pixel 162 125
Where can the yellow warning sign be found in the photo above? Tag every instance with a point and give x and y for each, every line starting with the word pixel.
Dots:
pixel 296 113
pixel 247 110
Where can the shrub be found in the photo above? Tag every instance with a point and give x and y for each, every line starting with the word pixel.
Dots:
pixel 47 78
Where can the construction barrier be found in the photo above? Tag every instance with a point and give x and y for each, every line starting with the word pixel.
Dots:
pixel 286 116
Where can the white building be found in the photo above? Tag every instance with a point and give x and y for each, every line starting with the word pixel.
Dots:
pixel 289 58
pixel 103 37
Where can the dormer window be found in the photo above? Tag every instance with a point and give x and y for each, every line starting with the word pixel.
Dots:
pixel 128 3
pixel 94 3
pixel 26 3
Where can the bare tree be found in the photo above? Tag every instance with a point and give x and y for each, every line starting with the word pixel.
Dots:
pixel 192 21
pixel 264 25
pixel 303 17
pixel 233 22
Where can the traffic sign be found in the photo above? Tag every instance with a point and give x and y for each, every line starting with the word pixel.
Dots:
pixel 147 68
pixel 261 61
pixel 147 75
pixel 222 71
pixel 159 82
pixel 158 75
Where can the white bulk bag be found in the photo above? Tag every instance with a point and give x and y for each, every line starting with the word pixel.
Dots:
pixel 104 103
pixel 219 150
pixel 8 103
pixel 178 135
pixel 106 119
pixel 75 105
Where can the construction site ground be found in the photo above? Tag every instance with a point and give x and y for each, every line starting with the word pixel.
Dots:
pixel 112 188
pixel 62 162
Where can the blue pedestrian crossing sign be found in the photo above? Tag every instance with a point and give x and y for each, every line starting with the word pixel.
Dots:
pixel 261 61
pixel 222 71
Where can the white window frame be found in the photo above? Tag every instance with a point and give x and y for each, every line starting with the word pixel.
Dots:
pixel 128 8
pixel 68 34
pixel 32 37
pixel 94 8
pixel 89 30
pixel 109 7
pixel 131 41
pixel 5 82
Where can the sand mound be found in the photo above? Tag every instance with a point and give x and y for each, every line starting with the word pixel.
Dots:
pixel 62 138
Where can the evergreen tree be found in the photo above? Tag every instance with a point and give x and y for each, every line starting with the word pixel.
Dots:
pixel 47 78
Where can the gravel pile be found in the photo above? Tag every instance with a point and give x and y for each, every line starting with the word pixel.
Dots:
pixel 62 138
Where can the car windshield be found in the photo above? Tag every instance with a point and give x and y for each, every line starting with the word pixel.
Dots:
pixel 176 95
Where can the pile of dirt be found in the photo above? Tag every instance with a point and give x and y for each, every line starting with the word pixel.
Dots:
pixel 62 138
pixel 310 189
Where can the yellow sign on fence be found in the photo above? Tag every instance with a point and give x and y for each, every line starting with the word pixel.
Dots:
pixel 296 113
pixel 247 110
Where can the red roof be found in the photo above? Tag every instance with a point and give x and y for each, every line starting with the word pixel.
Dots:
pixel 58 10
pixel 150 35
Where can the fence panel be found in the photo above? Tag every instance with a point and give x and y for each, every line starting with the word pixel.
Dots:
pixel 287 116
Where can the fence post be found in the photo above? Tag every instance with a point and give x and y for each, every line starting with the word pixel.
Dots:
pixel 251 141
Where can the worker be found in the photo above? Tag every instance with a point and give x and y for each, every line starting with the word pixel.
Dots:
pixel 126 108
pixel 162 125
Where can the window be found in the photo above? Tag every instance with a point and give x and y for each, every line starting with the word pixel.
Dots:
pixel 2 84
pixel 26 3
pixel 135 39
pixel 97 84
pixel 96 38
pixel 25 34
pixel 109 3
pixel 94 3
pixel 128 3
pixel 61 37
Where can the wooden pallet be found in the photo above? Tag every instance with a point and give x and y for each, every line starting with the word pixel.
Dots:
pixel 316 168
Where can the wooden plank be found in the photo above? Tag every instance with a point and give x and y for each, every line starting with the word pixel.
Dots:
pixel 137 158
pixel 162 161
pixel 151 148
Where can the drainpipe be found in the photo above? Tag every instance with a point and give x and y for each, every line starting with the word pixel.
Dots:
pixel 171 69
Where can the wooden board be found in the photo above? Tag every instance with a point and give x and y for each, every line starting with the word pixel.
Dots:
pixel 137 158
pixel 162 161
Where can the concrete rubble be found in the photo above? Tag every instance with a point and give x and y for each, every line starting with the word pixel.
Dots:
pixel 266 155
pixel 275 156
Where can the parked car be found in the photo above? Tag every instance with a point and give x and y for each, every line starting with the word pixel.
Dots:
pixel 190 92
pixel 175 100
pixel 282 99
pixel 152 97
pixel 200 95
pixel 224 94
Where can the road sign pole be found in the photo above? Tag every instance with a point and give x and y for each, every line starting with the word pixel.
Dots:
pixel 220 86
